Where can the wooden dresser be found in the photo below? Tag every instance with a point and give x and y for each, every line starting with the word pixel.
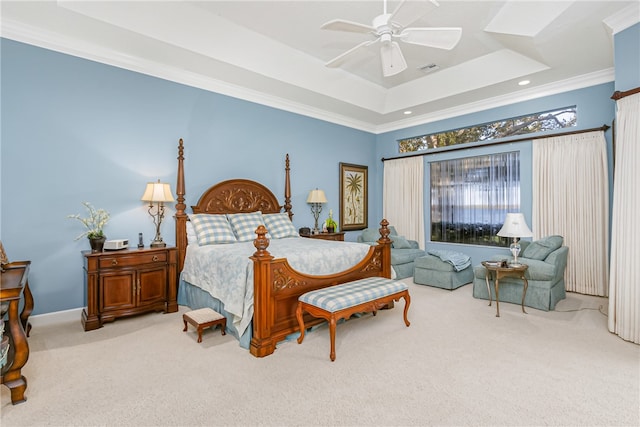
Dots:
pixel 13 286
pixel 127 282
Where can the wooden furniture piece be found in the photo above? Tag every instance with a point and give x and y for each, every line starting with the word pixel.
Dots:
pixel 496 271
pixel 204 318
pixel 276 284
pixel 338 237
pixel 343 301
pixel 13 281
pixel 127 282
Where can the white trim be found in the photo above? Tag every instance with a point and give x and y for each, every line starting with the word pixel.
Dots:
pixel 580 82
pixel 64 316
pixel 34 36
pixel 624 19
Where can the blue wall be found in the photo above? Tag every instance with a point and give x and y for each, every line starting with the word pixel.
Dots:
pixel 74 130
pixel 594 106
pixel 627 58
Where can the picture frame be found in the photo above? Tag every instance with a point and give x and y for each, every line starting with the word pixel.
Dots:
pixel 354 183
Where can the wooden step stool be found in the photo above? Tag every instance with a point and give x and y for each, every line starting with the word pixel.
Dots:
pixel 204 318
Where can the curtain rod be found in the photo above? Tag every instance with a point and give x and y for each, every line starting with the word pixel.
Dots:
pixel 619 95
pixel 465 147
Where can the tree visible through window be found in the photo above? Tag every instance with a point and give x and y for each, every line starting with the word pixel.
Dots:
pixel 470 198
pixel 539 122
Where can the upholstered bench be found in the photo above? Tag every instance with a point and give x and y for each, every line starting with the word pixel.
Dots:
pixel 204 318
pixel 342 301
pixel 432 270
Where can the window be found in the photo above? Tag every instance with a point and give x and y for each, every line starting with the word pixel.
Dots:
pixel 539 122
pixel 470 198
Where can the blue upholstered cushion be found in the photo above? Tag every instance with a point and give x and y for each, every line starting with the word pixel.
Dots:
pixel 211 229
pixel 279 225
pixel 339 297
pixel 458 260
pixel 244 225
pixel 399 242
pixel 370 235
pixel 540 249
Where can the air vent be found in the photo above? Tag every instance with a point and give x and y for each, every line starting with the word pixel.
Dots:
pixel 429 68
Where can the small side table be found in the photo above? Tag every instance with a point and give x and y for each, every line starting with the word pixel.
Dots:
pixel 495 272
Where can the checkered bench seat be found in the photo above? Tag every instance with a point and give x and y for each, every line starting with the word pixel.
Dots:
pixel 342 301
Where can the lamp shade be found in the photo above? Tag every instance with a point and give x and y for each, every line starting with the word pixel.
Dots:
pixel 515 226
pixel 316 196
pixel 157 192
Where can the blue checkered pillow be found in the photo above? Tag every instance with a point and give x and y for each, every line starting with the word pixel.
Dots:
pixel 244 225
pixel 211 229
pixel 279 225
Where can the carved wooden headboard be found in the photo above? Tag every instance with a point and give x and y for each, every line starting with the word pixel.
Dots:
pixel 237 196
pixel 231 196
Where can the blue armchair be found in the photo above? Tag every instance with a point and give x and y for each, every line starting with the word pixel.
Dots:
pixel 403 251
pixel 547 261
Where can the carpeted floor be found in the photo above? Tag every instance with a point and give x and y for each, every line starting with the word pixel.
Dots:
pixel 457 364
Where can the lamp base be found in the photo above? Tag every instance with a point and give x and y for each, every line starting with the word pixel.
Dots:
pixel 158 244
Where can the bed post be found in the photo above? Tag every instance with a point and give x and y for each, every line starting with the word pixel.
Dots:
pixel 287 188
pixel 181 216
pixel 262 342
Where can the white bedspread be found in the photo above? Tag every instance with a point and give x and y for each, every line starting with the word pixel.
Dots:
pixel 226 272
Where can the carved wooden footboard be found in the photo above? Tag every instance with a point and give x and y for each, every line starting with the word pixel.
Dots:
pixel 277 286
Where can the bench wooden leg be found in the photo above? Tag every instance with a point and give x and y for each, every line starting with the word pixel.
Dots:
pixel 332 337
pixel 407 302
pixel 300 322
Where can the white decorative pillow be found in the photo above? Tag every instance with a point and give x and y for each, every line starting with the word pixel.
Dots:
pixel 244 225
pixel 279 225
pixel 211 229
pixel 192 237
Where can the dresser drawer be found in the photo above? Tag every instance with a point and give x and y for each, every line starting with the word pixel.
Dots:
pixel 132 260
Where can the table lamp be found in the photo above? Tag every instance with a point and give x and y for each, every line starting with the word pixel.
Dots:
pixel 515 226
pixel 160 193
pixel 316 199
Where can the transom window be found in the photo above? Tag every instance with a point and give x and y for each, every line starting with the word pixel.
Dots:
pixel 470 198
pixel 539 122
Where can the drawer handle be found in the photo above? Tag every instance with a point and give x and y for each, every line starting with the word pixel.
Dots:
pixel 114 262
pixel 155 258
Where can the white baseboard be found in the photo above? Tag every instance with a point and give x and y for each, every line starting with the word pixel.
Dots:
pixel 56 317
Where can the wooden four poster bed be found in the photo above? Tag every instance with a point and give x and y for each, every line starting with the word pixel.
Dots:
pixel 276 284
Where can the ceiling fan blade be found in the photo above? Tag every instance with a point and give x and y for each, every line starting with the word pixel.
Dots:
pixel 441 38
pixel 342 25
pixel 410 11
pixel 340 59
pixel 392 59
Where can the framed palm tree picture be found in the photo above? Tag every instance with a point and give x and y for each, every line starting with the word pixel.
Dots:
pixel 353 197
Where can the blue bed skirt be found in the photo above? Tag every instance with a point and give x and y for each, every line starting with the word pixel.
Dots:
pixel 195 298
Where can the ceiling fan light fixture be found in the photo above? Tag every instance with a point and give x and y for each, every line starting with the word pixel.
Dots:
pixel 393 61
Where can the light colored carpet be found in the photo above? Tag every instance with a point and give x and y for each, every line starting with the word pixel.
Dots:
pixel 457 364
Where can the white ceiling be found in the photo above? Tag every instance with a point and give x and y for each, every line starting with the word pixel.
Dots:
pixel 273 52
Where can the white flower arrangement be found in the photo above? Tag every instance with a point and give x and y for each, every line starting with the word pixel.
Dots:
pixel 94 223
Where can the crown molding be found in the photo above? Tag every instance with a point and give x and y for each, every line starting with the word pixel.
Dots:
pixel 580 82
pixel 53 41
pixel 624 19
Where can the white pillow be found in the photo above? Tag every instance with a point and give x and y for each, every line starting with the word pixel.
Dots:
pixel 244 225
pixel 279 225
pixel 211 229
pixel 192 237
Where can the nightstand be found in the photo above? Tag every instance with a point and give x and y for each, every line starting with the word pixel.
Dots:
pixel 338 237
pixel 127 282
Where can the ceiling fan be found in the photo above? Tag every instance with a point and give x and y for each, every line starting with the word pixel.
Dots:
pixel 389 27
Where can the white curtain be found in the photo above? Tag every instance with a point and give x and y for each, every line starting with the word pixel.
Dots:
pixel 571 199
pixel 402 197
pixel 624 280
